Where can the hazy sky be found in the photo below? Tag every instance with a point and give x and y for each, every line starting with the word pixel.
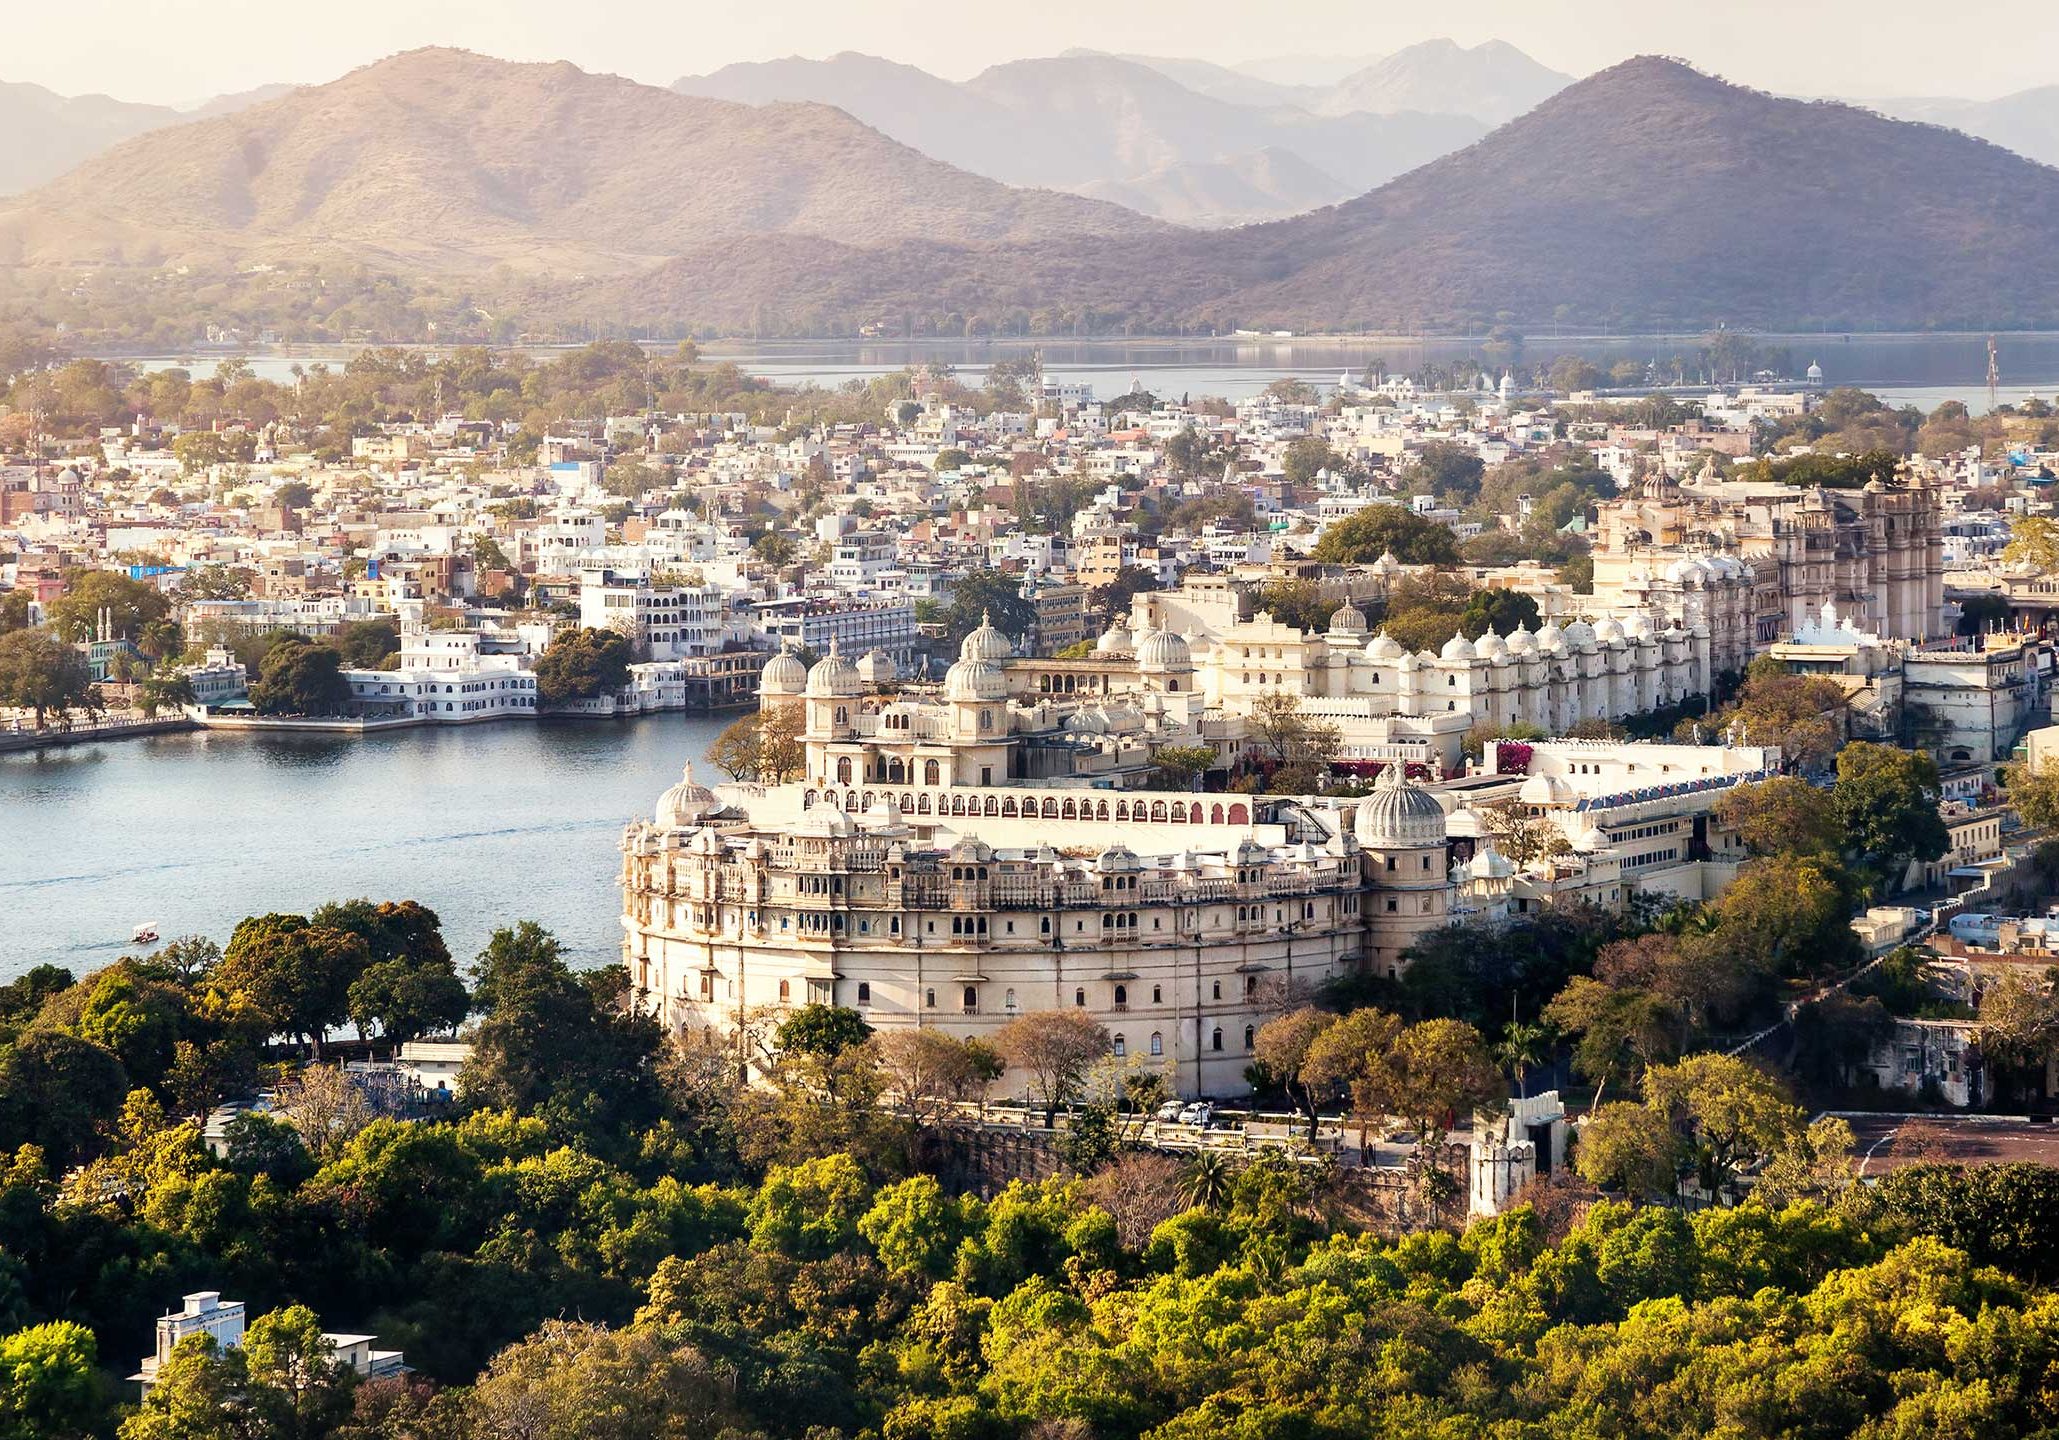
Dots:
pixel 176 51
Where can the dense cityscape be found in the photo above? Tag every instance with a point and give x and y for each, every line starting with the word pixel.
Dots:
pixel 1505 896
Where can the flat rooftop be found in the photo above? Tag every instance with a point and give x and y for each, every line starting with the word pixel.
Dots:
pixel 1888 1142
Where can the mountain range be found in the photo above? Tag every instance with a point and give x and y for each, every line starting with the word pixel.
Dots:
pixel 442 160
pixel 1647 195
pixel 1136 129
pixel 47 133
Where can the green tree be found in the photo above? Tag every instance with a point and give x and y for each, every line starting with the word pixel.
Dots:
pixel 14 610
pixel 1629 1148
pixel 164 692
pixel 1365 535
pixel 1729 1112
pixel 404 999
pixel 763 745
pixel 300 677
pixel 987 597
pixel 1283 1046
pixel 40 672
pixel 1784 815
pixel 588 1382
pixel 1498 610
pixel 1177 765
pixel 583 664
pixel 131 604
pixel 1305 458
pixel 366 644
pixel 296 974
pixel 2034 793
pixel 48 1390
pixel 57 1092
pixel 1887 804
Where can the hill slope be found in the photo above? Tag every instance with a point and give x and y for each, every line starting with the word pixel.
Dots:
pixel 1491 82
pixel 1647 195
pixel 1083 120
pixel 48 133
pixel 1240 191
pixel 2026 122
pixel 445 160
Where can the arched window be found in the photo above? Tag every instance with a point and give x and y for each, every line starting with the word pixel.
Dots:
pixel 1239 815
pixel 1047 925
pixel 1122 994
pixel 1079 997
pixel 1250 1035
pixel 1122 809
pixel 922 803
pixel 1157 1043
pixel 1218 994
pixel 785 992
pixel 1120 1047
pixel 1215 1039
pixel 1156 995
pixel 1101 811
pixel 1050 808
pixel 991 807
pixel 864 993
pixel 1008 808
pixel 930 776
pixel 1009 999
pixel 929 999
pixel 972 997
pixel 843 770
pixel 1215 814
pixel 1069 811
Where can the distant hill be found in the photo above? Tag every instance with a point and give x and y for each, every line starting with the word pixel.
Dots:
pixel 241 100
pixel 2026 122
pixel 1089 122
pixel 47 133
pixel 443 160
pixel 43 134
pixel 1491 82
pixel 1241 191
pixel 1218 82
pixel 1649 195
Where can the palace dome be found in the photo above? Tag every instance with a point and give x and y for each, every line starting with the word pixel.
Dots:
pixel 1458 648
pixel 987 643
pixel 1347 619
pixel 685 804
pixel 1164 650
pixel 975 680
pixel 834 675
pixel 1398 814
pixel 784 674
pixel 1114 640
pixel 1385 647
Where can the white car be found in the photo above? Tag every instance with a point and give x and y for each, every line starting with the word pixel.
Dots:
pixel 1169 1112
pixel 1199 1113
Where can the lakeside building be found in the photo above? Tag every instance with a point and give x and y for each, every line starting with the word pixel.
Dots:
pixel 956 860
pixel 958 856
pixel 205 1312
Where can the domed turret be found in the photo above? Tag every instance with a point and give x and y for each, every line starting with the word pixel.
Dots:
pixel 1398 814
pixel 1457 648
pixel 986 643
pixel 1348 619
pixel 1579 635
pixel 1163 650
pixel 1385 647
pixel 975 680
pixel 685 804
pixel 1115 639
pixel 1522 641
pixel 1549 637
pixel 834 675
pixel 784 674
pixel 1609 632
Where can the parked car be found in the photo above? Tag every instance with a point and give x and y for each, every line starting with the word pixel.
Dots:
pixel 1169 1112
pixel 1199 1113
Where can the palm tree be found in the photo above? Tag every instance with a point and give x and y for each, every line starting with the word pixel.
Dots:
pixel 1521 1047
pixel 1205 1181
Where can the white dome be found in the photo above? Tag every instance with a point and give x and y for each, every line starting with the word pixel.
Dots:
pixel 1609 632
pixel 1579 635
pixel 876 667
pixel 1688 572
pixel 1457 648
pixel 1347 619
pixel 1543 790
pixel 1115 639
pixel 685 804
pixel 986 643
pixel 1385 647
pixel 824 820
pixel 1549 637
pixel 834 675
pixel 1163 650
pixel 1492 647
pixel 784 674
pixel 975 680
pixel 1117 858
pixel 1387 564
pixel 1521 641
pixel 1398 814
pixel 1490 864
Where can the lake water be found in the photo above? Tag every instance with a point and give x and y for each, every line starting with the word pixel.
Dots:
pixel 1923 370
pixel 485 824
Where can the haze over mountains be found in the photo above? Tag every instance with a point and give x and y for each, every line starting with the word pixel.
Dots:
pixel 1646 195
pixel 1137 129
pixel 46 134
pixel 450 161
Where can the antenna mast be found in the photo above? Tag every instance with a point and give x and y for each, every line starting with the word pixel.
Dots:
pixel 1994 374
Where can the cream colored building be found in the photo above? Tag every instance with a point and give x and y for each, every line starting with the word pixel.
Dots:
pixel 954 859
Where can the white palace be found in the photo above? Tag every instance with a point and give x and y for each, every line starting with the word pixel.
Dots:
pixel 957 857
